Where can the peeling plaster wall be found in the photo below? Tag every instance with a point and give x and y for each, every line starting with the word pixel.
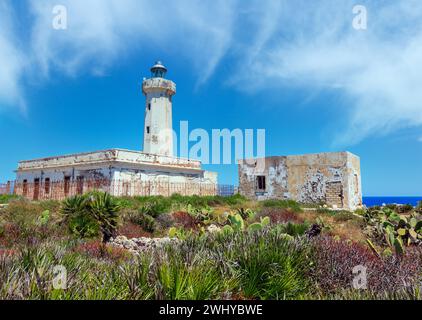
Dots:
pixel 117 167
pixel 89 173
pixel 119 172
pixel 275 171
pixel 331 178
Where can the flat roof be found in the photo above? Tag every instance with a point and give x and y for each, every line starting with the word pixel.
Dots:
pixel 107 156
pixel 302 155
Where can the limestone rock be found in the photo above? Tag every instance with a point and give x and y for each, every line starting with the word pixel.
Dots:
pixel 137 245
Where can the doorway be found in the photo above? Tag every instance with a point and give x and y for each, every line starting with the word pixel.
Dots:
pixel 334 194
pixel 36 189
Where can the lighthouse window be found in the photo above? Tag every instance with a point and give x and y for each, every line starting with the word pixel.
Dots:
pixel 149 106
pixel 148 130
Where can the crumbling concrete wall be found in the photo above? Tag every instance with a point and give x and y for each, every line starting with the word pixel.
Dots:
pixel 275 171
pixel 324 178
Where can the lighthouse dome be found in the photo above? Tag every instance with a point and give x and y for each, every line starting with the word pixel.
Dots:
pixel 158 70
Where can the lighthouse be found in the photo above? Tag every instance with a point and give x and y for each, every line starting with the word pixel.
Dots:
pixel 158 131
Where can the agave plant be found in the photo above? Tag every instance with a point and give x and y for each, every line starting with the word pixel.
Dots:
pixel 74 205
pixel 105 209
pixel 77 217
pixel 84 214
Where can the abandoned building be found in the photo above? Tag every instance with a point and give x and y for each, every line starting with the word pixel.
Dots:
pixel 326 178
pixel 156 171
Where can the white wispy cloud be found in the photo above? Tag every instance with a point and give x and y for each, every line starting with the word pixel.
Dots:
pixel 378 71
pixel 301 43
pixel 12 62
pixel 100 31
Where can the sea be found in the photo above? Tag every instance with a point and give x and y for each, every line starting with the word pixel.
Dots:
pixel 379 201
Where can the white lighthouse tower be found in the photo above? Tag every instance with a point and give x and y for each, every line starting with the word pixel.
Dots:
pixel 158 132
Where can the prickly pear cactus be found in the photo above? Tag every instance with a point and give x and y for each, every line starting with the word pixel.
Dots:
pixel 237 222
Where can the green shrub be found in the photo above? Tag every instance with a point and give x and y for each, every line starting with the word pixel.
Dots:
pixel 160 204
pixel 78 217
pixel 156 206
pixel 326 211
pixel 293 229
pixel 85 214
pixel 236 265
pixel 343 216
pixel 147 223
pixel 405 208
pixel 164 221
pixel 234 199
pixel 83 226
pixel 6 198
pixel 175 281
pixel 105 210
pixel 142 219
pixel 271 267
pixel 419 207
pixel 387 227
pixel 291 204
pixel 2 228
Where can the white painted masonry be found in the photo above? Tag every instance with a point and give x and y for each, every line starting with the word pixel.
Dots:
pixel 158 133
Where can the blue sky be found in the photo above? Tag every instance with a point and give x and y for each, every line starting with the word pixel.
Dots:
pixel 295 68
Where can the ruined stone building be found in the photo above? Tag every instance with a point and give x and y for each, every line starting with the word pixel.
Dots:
pixel 155 171
pixel 325 178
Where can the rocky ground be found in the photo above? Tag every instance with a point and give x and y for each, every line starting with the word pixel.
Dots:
pixel 137 245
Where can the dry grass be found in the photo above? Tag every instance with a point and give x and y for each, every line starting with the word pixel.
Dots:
pixel 343 228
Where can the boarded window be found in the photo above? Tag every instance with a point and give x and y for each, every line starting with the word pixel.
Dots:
pixel 80 185
pixel 36 189
pixel 47 186
pixel 66 186
pixel 260 183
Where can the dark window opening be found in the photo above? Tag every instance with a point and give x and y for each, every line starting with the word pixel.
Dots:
pixel 47 186
pixel 80 185
pixel 260 183
pixel 25 188
pixel 36 189
pixel 66 186
pixel 148 130
pixel 149 106
pixel 356 184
